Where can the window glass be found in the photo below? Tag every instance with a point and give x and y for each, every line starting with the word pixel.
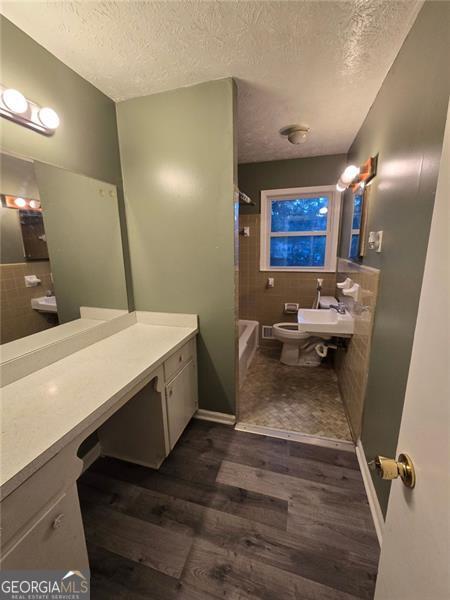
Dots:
pixel 300 214
pixel 354 246
pixel 357 207
pixel 298 251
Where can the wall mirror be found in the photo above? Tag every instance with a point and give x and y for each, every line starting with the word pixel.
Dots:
pixel 358 235
pixel 61 247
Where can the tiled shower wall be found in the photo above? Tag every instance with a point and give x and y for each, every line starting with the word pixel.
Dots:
pixel 266 305
pixel 352 364
pixel 18 319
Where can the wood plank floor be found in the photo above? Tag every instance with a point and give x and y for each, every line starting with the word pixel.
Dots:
pixel 230 515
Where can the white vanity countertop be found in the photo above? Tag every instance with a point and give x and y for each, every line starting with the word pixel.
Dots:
pixel 44 411
pixel 31 343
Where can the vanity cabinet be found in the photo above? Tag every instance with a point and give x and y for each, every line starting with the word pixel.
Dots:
pixel 181 399
pixel 55 538
pixel 157 415
pixel 141 394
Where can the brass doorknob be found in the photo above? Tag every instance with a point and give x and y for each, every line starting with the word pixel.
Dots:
pixel 389 468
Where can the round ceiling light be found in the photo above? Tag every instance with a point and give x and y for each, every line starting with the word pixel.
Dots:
pixel 49 118
pixel 14 101
pixel 20 202
pixel 35 204
pixel 296 134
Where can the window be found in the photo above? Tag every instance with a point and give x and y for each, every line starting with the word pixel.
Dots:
pixel 299 229
pixel 356 226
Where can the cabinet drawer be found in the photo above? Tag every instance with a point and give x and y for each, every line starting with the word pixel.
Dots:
pixel 181 397
pixel 55 541
pixel 179 359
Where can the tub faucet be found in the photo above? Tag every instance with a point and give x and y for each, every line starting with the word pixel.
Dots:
pixel 339 308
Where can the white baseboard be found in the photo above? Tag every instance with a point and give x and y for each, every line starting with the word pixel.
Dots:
pixel 216 417
pixel 372 497
pixel 295 436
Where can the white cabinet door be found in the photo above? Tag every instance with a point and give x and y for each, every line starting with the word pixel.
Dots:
pixel 55 541
pixel 181 397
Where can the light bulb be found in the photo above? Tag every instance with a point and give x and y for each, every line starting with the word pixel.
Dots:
pixel 49 118
pixel 340 186
pixel 14 101
pixel 349 174
pixel 35 204
pixel 20 202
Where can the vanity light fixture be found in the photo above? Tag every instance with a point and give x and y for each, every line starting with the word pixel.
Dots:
pixel 14 101
pixel 49 118
pixel 15 107
pixel 20 202
pixel 349 174
pixel 354 177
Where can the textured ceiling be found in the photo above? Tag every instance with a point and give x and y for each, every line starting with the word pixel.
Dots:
pixel 311 62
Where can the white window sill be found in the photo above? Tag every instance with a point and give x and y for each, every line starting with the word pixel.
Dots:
pixel 297 270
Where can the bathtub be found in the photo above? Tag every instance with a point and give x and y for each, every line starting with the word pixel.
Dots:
pixel 248 342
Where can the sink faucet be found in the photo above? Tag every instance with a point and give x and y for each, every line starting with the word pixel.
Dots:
pixel 339 308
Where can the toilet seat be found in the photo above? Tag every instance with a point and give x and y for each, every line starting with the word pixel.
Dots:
pixel 289 331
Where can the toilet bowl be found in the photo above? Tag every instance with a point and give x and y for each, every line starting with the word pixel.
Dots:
pixel 298 347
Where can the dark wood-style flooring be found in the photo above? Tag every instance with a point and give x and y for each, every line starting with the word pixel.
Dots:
pixel 230 515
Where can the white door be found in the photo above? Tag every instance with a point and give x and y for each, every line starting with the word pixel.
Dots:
pixel 415 556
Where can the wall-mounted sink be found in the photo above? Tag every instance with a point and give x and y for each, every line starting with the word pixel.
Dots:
pixel 325 321
pixel 46 304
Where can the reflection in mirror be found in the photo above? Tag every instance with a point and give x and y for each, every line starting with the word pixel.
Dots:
pixel 355 237
pixel 357 242
pixel 61 247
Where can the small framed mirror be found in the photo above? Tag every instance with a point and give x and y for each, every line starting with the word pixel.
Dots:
pixel 358 236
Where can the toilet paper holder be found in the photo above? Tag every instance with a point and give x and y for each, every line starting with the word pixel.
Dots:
pixel 291 308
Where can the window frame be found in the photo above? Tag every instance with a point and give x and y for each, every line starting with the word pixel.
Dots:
pixel 331 233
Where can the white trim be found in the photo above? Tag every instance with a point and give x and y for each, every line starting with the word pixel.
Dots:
pixel 295 436
pixel 372 497
pixel 332 232
pixel 215 417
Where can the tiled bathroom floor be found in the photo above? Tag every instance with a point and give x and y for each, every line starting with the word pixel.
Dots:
pixel 301 399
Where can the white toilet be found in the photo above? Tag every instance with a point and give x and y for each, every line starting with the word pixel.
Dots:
pixel 298 347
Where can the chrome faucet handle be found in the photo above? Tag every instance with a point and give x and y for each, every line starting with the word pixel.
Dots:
pixel 339 308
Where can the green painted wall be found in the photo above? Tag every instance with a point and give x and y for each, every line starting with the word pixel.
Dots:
pixel 177 154
pixel 11 246
pixel 81 220
pixel 406 126
pixel 86 142
pixel 16 179
pixel 296 172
